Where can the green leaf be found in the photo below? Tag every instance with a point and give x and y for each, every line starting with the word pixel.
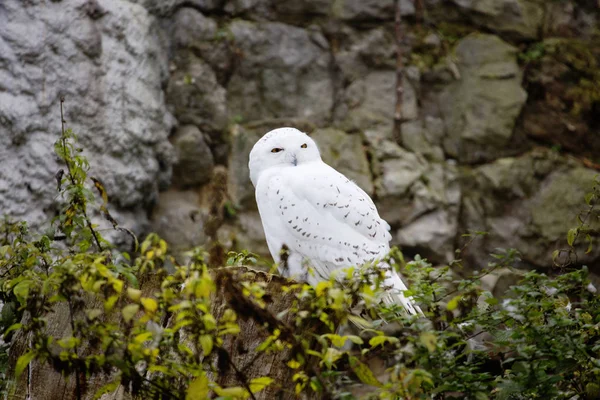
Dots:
pixel 129 311
pixel 134 294
pixel 206 341
pixel 429 340
pixel 23 362
pixel 381 340
pixel 571 236
pixel 150 305
pixel 364 373
pixel 13 327
pixel 21 290
pixel 453 303
pixel 198 389
pixel 481 396
pixel 108 388
pixel 258 384
pixel 236 392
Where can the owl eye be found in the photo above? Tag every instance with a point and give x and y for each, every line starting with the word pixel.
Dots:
pixel 276 150
pixel 304 146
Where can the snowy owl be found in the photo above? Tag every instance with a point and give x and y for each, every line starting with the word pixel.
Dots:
pixel 323 218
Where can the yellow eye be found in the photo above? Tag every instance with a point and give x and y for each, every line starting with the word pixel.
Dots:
pixel 304 146
pixel 276 150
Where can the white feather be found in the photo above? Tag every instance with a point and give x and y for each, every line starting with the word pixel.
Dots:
pixel 322 217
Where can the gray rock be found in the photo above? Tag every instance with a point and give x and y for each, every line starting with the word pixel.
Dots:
pixel 419 198
pixel 189 26
pixel 179 219
pixel 165 8
pixel 194 160
pixel 240 187
pixel 527 203
pixel 246 233
pixel 370 102
pixel 303 7
pixel 359 10
pixel 481 108
pixel 111 72
pixel 345 153
pixel 522 19
pixel 195 95
pixel 282 73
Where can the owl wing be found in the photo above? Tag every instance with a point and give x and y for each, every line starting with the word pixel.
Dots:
pixel 321 214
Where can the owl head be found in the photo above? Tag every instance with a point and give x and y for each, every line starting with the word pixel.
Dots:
pixel 282 148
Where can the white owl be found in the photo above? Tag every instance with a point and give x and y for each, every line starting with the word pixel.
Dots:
pixel 324 219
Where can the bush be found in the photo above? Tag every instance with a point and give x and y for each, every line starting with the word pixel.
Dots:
pixel 181 334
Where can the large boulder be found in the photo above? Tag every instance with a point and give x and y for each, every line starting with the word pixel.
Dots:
pixel 368 10
pixel 195 162
pixel 196 96
pixel 368 103
pixel 521 19
pixel 283 71
pixel 111 72
pixel 481 108
pixel 527 203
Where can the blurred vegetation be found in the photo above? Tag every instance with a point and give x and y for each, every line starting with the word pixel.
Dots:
pixel 542 340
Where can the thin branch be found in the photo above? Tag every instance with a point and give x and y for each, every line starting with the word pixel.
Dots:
pixel 398 117
pixel 72 177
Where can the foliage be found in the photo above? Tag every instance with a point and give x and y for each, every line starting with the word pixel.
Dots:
pixel 158 334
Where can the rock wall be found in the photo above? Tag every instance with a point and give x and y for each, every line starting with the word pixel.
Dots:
pixel 500 99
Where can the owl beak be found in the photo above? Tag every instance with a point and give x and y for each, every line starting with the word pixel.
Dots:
pixel 294 160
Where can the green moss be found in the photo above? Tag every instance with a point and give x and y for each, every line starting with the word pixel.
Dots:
pixel 584 71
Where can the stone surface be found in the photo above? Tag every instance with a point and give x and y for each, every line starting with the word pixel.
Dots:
pixel 195 162
pixel 527 203
pixel 195 95
pixel 369 102
pixel 239 184
pixel 517 18
pixel 179 219
pixel 190 25
pixel 481 108
pixel 420 200
pixel 345 153
pixel 562 110
pixel 360 10
pixel 109 61
pixel 282 72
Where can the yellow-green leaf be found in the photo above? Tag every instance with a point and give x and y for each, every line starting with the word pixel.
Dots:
pixel 206 341
pixel 198 389
pixel 109 304
pixel 363 372
pixel 571 234
pixel 108 388
pixel 236 392
pixel 258 384
pixel 129 311
pixel 453 303
pixel 321 287
pixel 150 305
pixel 134 294
pixel 23 362
pixel 118 285
pixel 380 340
pixel 429 340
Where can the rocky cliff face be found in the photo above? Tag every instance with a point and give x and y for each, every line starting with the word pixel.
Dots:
pixel 500 100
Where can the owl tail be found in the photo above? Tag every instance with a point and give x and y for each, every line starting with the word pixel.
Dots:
pixel 396 286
